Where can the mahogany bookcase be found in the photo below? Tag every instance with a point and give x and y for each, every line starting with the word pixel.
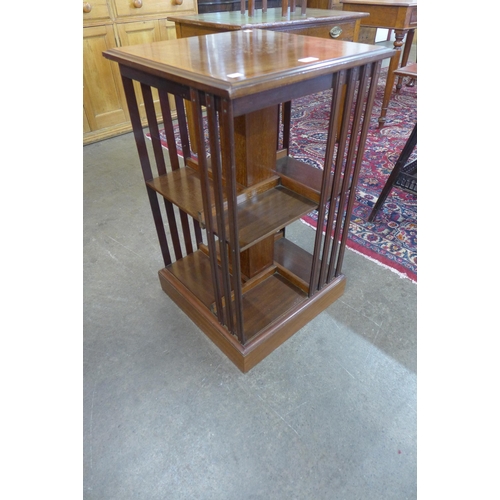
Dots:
pixel 221 214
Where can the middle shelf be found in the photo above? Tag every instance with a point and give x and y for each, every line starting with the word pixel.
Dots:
pixel 261 212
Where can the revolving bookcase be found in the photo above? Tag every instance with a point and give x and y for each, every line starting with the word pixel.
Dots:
pixel 221 213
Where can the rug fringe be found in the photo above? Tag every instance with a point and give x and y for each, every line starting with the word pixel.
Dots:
pixel 395 271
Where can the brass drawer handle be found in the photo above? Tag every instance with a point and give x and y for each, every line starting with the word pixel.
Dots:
pixel 87 7
pixel 137 4
pixel 178 2
pixel 336 31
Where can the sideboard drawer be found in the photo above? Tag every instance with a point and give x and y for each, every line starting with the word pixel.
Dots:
pixel 127 8
pixel 95 10
pixel 335 31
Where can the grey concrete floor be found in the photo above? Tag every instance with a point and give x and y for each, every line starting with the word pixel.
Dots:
pixel 331 414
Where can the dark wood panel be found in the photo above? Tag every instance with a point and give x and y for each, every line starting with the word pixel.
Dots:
pixel 193 271
pixel 295 262
pixel 267 302
pixel 181 187
pixel 300 177
pixel 268 212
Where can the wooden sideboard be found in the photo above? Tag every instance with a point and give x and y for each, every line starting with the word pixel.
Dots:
pixel 118 23
pixel 221 215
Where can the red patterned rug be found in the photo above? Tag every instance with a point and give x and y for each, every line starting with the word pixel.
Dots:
pixel 391 240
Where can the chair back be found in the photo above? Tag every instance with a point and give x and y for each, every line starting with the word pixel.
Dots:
pixel 284 7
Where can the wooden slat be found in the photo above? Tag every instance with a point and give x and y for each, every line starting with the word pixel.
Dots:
pixel 287 116
pixel 338 84
pixel 160 163
pixel 142 150
pixel 215 154
pixel 284 7
pixel 228 163
pixel 183 127
pixel 335 214
pixel 207 196
pixel 368 86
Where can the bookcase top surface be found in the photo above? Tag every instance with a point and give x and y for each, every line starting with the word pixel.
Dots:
pixel 238 63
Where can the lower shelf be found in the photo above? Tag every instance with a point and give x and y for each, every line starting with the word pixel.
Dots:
pixel 273 310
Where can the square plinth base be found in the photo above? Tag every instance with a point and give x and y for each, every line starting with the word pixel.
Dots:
pixel 268 338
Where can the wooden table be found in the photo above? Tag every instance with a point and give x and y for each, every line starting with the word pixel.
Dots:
pixel 323 23
pixel 399 15
pixel 241 280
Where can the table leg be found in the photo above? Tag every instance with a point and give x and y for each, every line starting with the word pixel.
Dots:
pixel 393 66
pixel 407 47
pixel 406 54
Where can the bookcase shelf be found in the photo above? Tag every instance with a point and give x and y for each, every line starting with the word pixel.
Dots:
pixel 178 187
pixel 259 215
pixel 292 269
pixel 268 212
pixel 241 280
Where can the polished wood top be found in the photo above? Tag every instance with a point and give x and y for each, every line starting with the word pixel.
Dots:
pixel 391 3
pixel 231 20
pixel 238 63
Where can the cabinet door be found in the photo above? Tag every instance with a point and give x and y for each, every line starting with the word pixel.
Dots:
pixel 167 30
pixel 86 125
pixel 103 97
pixel 138 33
